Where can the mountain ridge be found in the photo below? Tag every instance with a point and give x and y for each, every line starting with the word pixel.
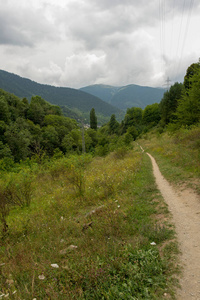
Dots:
pixel 126 96
pixel 74 99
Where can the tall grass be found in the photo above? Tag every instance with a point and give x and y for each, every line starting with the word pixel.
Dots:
pixel 178 153
pixel 87 233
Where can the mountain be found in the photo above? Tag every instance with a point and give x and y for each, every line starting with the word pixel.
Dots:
pixel 126 96
pixel 75 100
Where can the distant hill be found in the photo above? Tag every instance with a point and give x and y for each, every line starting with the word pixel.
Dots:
pixel 126 96
pixel 75 100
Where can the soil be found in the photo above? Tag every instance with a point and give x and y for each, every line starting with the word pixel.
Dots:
pixel 184 206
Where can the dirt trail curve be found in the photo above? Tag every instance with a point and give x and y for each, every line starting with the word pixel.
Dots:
pixel 185 208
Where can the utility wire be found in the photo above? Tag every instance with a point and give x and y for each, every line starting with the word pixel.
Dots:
pixel 172 29
pixel 186 32
pixel 162 31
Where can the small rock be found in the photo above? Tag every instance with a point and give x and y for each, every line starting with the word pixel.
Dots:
pixel 55 266
pixel 153 244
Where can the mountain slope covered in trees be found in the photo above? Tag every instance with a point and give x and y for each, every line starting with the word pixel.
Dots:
pixel 126 96
pixel 71 98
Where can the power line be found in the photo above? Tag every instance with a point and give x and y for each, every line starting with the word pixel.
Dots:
pixel 172 29
pixel 162 30
pixel 186 32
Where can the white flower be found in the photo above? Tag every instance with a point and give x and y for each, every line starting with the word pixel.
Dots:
pixel 41 277
pixel 118 206
pixel 55 266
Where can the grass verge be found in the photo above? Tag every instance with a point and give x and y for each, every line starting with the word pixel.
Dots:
pixel 177 154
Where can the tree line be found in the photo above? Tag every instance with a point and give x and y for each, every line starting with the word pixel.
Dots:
pixel 39 129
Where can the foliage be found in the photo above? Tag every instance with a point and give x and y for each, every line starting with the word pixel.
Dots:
pixel 113 125
pixel 151 115
pixel 191 70
pixel 93 119
pixel 31 129
pixel 169 103
pixel 188 110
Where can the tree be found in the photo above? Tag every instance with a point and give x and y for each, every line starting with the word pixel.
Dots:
pixel 191 70
pixel 4 110
pixel 169 103
pixel 113 125
pixel 133 119
pixel 18 138
pixel 72 141
pixel 50 139
pixel 151 115
pixel 188 110
pixel 93 119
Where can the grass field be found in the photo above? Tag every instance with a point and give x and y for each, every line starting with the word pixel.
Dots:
pixel 83 228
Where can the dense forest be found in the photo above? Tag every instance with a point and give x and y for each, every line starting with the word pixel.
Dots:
pixel 39 129
pixel 75 102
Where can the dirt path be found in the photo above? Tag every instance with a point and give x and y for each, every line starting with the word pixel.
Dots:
pixel 185 208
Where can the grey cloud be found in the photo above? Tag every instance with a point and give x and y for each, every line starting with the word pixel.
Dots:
pixel 10 34
pixel 24 28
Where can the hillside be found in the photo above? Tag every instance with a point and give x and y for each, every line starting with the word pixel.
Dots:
pixel 62 96
pixel 126 96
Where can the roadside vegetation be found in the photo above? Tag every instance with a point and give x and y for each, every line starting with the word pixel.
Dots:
pixel 177 153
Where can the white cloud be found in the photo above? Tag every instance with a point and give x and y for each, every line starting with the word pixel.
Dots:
pixel 80 42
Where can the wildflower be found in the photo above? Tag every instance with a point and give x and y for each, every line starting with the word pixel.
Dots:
pixel 41 277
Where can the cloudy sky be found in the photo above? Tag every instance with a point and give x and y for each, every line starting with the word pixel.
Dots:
pixel 75 43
